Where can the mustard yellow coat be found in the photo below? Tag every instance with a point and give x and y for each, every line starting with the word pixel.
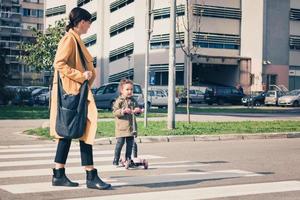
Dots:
pixel 67 62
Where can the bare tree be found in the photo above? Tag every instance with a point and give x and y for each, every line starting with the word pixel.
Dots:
pixel 190 24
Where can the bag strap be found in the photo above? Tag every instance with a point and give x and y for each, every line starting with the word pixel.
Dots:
pixel 59 84
pixel 81 55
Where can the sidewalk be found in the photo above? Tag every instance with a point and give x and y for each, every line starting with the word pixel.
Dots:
pixel 11 131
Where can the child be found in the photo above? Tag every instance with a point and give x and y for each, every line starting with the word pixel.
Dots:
pixel 124 110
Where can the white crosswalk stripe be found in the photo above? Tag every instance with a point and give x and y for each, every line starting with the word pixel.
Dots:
pixel 70 160
pixel 77 170
pixel 50 154
pixel 207 193
pixel 12 158
pixel 46 187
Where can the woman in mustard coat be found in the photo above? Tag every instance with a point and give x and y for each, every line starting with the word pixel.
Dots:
pixel 72 73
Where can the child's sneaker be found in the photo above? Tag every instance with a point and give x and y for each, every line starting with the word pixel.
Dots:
pixel 129 164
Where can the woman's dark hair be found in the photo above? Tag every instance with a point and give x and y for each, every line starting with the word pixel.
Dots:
pixel 76 15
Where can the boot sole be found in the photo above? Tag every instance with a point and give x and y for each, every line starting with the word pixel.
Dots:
pixel 102 188
pixel 65 185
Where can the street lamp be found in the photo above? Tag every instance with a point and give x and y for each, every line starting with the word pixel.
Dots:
pixel 128 71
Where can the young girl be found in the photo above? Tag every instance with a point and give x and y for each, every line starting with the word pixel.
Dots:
pixel 125 127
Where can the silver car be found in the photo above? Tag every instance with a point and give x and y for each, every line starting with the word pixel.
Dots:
pixel 106 95
pixel 159 98
pixel 292 98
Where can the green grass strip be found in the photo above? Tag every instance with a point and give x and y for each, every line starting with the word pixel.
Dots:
pixel 158 128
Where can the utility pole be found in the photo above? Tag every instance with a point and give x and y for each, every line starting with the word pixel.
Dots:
pixel 188 61
pixel 172 65
pixel 129 57
pixel 148 33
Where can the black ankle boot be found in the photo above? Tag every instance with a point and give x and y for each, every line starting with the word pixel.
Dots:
pixel 59 178
pixel 93 181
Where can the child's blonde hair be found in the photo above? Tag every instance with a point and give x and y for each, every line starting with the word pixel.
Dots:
pixel 124 82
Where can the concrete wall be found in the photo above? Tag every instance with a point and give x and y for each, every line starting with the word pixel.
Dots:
pixel 276 34
pixel 252 37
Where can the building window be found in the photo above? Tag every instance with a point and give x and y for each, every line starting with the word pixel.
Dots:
pixel 163 13
pixel 26 12
pixel 127 74
pixel 40 27
pixel 33 13
pixel 116 5
pixel 82 2
pixel 216 40
pixel 294 42
pixel 33 1
pixel 294 77
pixel 121 27
pixel 121 52
pixel 271 79
pixel 56 11
pixel 162 41
pixel 91 40
pixel 216 11
pixel 159 74
pixel 295 14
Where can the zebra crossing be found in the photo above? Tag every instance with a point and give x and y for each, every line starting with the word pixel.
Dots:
pixel 24 162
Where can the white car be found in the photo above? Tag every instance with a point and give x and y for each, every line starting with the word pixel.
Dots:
pixel 159 98
pixel 292 98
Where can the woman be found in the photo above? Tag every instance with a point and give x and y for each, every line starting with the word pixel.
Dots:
pixel 72 73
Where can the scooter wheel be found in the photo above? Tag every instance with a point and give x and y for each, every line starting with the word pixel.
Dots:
pixel 145 164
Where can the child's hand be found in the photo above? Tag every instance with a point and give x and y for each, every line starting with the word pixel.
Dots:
pixel 127 111
pixel 137 111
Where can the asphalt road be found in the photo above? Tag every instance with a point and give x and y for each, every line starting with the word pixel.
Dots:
pixel 237 169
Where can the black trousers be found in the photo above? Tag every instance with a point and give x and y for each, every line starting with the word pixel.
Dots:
pixel 63 148
pixel 119 146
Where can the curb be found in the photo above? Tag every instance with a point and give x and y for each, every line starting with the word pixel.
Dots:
pixel 196 138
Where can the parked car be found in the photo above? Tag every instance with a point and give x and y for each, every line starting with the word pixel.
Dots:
pixel 39 90
pixel 20 95
pixel 255 99
pixel 42 99
pixel 195 96
pixel 272 97
pixel 222 94
pixel 40 95
pixel 291 98
pixel 159 98
pixel 106 95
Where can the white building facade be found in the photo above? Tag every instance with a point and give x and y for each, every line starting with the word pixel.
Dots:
pixel 233 41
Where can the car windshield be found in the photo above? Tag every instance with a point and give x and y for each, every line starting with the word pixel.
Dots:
pixel 293 93
pixel 271 94
pixel 137 89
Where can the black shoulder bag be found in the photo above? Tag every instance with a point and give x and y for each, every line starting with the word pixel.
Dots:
pixel 72 109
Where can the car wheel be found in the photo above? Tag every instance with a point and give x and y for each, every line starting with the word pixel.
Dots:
pixel 220 102
pixel 257 103
pixel 148 105
pixel 296 104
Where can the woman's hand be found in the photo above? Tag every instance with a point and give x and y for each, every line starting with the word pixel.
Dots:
pixel 87 75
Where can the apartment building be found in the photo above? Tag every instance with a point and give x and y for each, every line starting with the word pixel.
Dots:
pixel 249 42
pixel 17 16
